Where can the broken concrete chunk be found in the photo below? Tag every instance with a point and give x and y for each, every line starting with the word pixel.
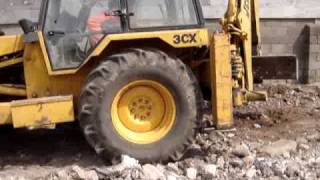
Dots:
pixel 241 150
pixel 191 173
pixel 152 173
pixel 279 148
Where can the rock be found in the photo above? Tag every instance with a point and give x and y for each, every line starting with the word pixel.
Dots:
pixel 128 162
pixel 241 150
pixel 195 163
pixel 174 176
pixel 236 162
pixel 278 169
pixel 136 174
pixel 318 174
pixel 171 177
pixel 126 174
pixel 301 140
pixel 92 175
pixel 81 174
pixel 286 155
pixel 194 150
pixel 304 147
pixel 220 162
pixel 13 178
pixel 278 148
pixel 173 168
pixel 210 170
pixel 59 174
pixel 248 161
pixel 74 172
pixel 251 173
pixel 212 158
pixel 257 126
pixel 191 173
pixel 292 170
pixel 313 137
pixel 264 167
pixel 266 120
pixel 152 173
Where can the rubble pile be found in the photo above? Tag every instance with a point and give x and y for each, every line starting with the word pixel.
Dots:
pixel 277 139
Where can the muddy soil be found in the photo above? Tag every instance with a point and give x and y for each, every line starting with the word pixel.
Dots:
pixel 276 139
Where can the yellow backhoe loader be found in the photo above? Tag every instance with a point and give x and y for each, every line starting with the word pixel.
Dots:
pixel 128 71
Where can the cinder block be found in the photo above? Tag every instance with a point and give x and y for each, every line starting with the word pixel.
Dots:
pixel 276 23
pixel 266 49
pixel 314 65
pixel 314 29
pixel 312 76
pixel 314 48
pixel 318 38
pixel 313 39
pixel 276 39
pixel 317 77
pixel 313 56
pixel 281 49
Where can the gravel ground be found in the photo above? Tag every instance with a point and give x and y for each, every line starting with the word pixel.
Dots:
pixel 277 139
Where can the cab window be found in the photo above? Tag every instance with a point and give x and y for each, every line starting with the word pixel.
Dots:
pixel 73 28
pixel 162 13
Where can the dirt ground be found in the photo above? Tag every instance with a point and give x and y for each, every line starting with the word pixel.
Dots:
pixel 277 139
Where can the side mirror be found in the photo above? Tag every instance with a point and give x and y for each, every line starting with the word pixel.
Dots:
pixel 27 26
pixel 29 29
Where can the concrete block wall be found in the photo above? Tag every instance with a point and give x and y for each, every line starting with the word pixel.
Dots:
pixel 288 37
pixel 13 10
pixel 314 53
pixel 281 37
pixel 289 9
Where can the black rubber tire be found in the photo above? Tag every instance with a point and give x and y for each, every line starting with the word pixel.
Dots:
pixel 118 70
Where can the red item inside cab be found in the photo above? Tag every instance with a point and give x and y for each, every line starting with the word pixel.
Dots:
pixel 95 25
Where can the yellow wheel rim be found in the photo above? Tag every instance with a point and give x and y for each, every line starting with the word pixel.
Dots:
pixel 143 112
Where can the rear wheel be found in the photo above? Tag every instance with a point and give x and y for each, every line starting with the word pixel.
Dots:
pixel 141 103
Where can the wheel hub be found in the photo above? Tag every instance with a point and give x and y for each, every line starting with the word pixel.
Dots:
pixel 141 108
pixel 143 112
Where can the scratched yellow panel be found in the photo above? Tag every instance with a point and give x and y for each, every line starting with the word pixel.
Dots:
pixel 42 111
pixel 5 113
pixel 221 81
pixel 11 44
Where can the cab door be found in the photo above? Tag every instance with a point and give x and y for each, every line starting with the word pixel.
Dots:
pixel 73 28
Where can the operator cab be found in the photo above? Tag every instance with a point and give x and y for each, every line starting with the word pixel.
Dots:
pixel 73 28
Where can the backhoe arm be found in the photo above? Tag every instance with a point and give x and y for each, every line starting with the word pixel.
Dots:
pixel 242 23
pixel 231 60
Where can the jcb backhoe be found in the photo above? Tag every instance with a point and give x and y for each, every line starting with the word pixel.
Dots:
pixel 128 71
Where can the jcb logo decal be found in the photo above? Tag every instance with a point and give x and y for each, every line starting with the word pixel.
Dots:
pixel 185 38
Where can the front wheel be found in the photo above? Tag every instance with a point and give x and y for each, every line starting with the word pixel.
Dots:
pixel 142 103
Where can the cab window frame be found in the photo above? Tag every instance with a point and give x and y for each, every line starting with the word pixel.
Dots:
pixel 41 26
pixel 199 17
